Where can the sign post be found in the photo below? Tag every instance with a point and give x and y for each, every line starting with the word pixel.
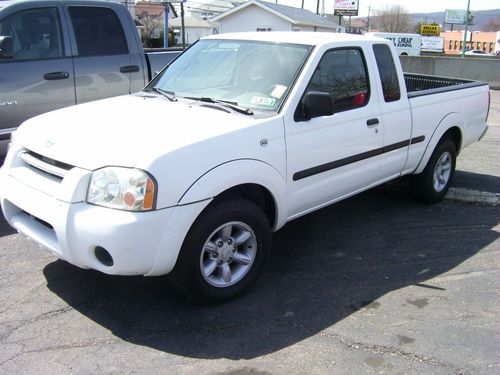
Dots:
pixel 466 27
pixel 167 4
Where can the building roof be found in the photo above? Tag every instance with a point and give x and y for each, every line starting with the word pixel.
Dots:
pixel 191 22
pixel 152 9
pixel 293 15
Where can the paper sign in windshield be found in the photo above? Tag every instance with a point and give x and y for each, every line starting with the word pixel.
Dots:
pixel 278 91
pixel 266 102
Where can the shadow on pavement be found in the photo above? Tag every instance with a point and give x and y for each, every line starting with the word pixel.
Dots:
pixel 323 268
pixel 476 181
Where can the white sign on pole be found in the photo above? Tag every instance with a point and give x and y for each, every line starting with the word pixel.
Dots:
pixel 455 16
pixel 345 7
pixel 432 44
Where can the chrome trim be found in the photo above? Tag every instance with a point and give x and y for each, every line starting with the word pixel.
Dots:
pixel 45 167
pixel 7 131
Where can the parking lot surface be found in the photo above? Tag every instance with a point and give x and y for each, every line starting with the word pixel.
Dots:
pixel 375 284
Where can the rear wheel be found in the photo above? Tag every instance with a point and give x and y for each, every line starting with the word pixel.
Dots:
pixel 224 251
pixel 433 183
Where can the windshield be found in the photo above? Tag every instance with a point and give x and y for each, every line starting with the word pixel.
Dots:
pixel 249 74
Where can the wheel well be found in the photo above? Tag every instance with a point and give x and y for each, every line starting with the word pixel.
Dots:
pixel 455 135
pixel 258 195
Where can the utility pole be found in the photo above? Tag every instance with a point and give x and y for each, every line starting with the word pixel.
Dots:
pixel 183 27
pixel 466 27
pixel 165 31
pixel 368 19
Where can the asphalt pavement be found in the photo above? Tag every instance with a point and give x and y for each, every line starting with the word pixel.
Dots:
pixel 376 284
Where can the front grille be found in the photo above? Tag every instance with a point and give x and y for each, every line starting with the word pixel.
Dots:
pixel 47 165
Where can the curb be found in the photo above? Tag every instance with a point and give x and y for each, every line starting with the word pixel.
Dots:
pixel 473 196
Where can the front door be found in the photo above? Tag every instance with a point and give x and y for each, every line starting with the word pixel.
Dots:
pixel 333 156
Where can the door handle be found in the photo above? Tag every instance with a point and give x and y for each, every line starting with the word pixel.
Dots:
pixel 55 75
pixel 372 121
pixel 129 69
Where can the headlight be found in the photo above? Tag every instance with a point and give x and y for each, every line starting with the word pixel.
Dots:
pixel 122 188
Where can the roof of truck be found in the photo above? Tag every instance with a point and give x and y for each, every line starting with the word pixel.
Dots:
pixel 302 37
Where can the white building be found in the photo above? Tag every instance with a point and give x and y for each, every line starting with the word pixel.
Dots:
pixel 195 28
pixel 256 15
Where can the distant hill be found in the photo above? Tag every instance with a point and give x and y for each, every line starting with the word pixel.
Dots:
pixel 482 17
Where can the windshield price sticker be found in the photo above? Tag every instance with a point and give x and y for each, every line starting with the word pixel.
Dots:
pixel 267 102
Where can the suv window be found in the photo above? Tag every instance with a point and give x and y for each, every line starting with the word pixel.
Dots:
pixel 98 31
pixel 35 33
pixel 387 71
pixel 342 73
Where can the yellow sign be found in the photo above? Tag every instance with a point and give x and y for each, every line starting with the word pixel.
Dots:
pixel 431 30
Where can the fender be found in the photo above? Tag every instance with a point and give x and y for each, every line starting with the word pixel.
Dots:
pixel 449 121
pixel 238 172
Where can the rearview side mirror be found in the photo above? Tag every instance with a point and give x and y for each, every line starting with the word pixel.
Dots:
pixel 6 47
pixel 314 104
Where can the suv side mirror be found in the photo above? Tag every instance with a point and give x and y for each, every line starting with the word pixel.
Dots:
pixel 314 104
pixel 6 47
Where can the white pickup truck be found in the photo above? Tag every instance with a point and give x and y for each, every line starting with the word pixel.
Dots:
pixel 239 135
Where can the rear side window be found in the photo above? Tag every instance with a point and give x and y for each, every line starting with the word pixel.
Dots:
pixel 98 31
pixel 36 34
pixel 387 71
pixel 342 73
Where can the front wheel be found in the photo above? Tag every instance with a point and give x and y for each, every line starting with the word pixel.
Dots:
pixel 433 183
pixel 224 251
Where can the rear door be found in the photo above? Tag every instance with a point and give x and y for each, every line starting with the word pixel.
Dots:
pixel 104 63
pixel 396 113
pixel 39 78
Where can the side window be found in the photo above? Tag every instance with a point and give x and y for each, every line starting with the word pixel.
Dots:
pixel 98 31
pixel 36 34
pixel 342 73
pixel 387 71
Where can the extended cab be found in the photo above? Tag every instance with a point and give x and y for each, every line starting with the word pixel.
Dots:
pixel 54 54
pixel 239 135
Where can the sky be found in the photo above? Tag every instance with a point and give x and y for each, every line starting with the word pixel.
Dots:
pixel 418 6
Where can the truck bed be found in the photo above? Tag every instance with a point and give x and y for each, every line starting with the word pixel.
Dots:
pixel 422 84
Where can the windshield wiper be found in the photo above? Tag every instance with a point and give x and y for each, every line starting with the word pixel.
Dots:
pixel 225 103
pixel 170 95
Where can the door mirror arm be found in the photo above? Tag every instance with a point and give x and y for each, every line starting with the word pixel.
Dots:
pixel 314 104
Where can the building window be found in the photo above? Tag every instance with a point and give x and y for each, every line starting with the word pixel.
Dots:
pixel 263 29
pixel 296 29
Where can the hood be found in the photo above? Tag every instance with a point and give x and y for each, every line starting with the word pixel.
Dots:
pixel 124 131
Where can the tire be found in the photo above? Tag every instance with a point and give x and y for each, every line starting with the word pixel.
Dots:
pixel 223 252
pixel 433 183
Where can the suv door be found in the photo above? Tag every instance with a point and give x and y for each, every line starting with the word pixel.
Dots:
pixel 103 66
pixel 39 78
pixel 330 157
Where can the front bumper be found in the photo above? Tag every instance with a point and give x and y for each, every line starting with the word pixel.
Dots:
pixel 140 243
